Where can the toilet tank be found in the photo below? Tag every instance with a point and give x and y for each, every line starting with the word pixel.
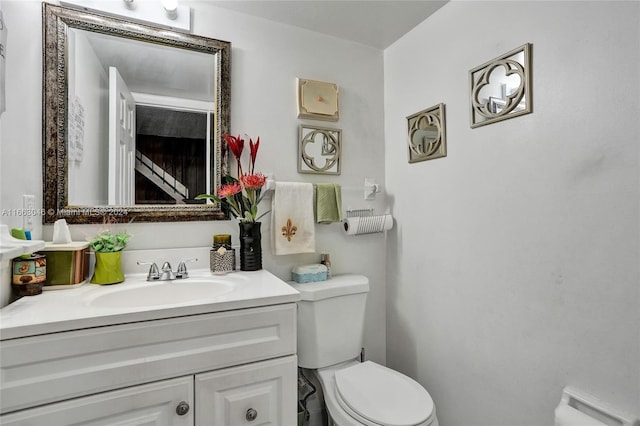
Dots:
pixel 331 320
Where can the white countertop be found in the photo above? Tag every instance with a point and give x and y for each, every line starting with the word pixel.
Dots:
pixel 71 309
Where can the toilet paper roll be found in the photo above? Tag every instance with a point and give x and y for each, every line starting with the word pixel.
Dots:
pixel 368 224
pixel 569 416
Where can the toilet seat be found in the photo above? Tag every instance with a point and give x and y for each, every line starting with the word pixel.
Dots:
pixel 378 396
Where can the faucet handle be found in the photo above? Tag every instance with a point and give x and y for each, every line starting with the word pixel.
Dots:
pixel 153 274
pixel 182 268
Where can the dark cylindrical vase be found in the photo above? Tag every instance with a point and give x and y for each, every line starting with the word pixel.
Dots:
pixel 250 246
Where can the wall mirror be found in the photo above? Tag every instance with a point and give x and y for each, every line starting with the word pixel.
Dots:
pixel 501 88
pixel 319 150
pixel 133 119
pixel 427 134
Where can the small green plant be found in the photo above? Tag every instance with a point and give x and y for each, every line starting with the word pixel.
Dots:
pixel 109 241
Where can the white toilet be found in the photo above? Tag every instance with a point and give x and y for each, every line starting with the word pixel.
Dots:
pixel 330 327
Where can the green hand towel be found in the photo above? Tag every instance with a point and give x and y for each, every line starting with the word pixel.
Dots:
pixel 328 203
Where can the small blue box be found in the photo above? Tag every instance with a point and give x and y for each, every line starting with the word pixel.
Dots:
pixel 309 273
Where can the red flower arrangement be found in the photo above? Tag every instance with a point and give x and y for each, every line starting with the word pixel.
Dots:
pixel 241 196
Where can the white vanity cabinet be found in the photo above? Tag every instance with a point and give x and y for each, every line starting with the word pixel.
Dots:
pixel 152 404
pixel 225 368
pixel 252 394
pixel 260 393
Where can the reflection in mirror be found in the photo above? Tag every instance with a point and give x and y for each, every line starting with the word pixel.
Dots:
pixel 173 150
pixel 427 134
pixel 144 110
pixel 501 88
pixel 319 150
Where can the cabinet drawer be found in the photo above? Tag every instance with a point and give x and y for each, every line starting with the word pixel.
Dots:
pixel 263 393
pixel 43 369
pixel 153 404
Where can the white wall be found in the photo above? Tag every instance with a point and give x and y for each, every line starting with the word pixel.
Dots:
pixel 514 270
pixel 89 84
pixel 21 129
pixel 266 59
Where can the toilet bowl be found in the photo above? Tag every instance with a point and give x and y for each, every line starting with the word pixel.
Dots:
pixel 369 394
pixel 330 329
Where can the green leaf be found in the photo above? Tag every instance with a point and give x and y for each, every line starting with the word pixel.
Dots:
pixel 107 241
pixel 263 214
pixel 209 197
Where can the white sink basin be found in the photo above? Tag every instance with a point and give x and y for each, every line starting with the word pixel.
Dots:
pixel 137 299
pixel 160 293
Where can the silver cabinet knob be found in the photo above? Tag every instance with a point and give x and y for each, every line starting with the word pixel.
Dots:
pixel 251 415
pixel 182 408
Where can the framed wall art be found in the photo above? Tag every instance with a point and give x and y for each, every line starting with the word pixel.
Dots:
pixel 501 88
pixel 426 132
pixel 319 150
pixel 318 100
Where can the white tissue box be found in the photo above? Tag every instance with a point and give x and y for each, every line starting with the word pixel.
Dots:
pixel 309 273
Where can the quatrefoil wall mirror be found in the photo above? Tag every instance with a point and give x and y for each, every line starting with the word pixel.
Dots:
pixel 501 88
pixel 319 150
pixel 427 134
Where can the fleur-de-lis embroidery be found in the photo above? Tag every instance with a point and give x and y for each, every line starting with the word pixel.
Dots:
pixel 289 230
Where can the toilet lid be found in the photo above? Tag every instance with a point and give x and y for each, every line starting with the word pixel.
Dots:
pixel 383 396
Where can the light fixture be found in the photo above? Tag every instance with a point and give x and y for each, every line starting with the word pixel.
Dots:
pixel 171 7
pixel 165 13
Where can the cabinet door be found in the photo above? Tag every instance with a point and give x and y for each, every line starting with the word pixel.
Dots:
pixel 262 393
pixel 152 404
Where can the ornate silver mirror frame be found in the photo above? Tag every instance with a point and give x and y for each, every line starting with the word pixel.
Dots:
pixel 501 88
pixel 57 21
pixel 427 136
pixel 318 144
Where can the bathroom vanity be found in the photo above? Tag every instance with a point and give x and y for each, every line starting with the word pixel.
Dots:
pixel 205 350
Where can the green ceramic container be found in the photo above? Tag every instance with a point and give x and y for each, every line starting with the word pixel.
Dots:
pixel 108 268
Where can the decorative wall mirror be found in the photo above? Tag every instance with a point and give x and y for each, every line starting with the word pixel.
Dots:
pixel 427 136
pixel 133 119
pixel 319 150
pixel 501 88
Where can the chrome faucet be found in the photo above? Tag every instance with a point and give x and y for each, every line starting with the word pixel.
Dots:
pixel 154 274
pixel 182 268
pixel 167 274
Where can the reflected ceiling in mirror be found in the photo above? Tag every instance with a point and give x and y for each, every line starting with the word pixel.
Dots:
pixel 501 88
pixel 150 168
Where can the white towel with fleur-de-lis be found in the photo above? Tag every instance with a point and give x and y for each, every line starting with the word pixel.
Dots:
pixel 292 224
